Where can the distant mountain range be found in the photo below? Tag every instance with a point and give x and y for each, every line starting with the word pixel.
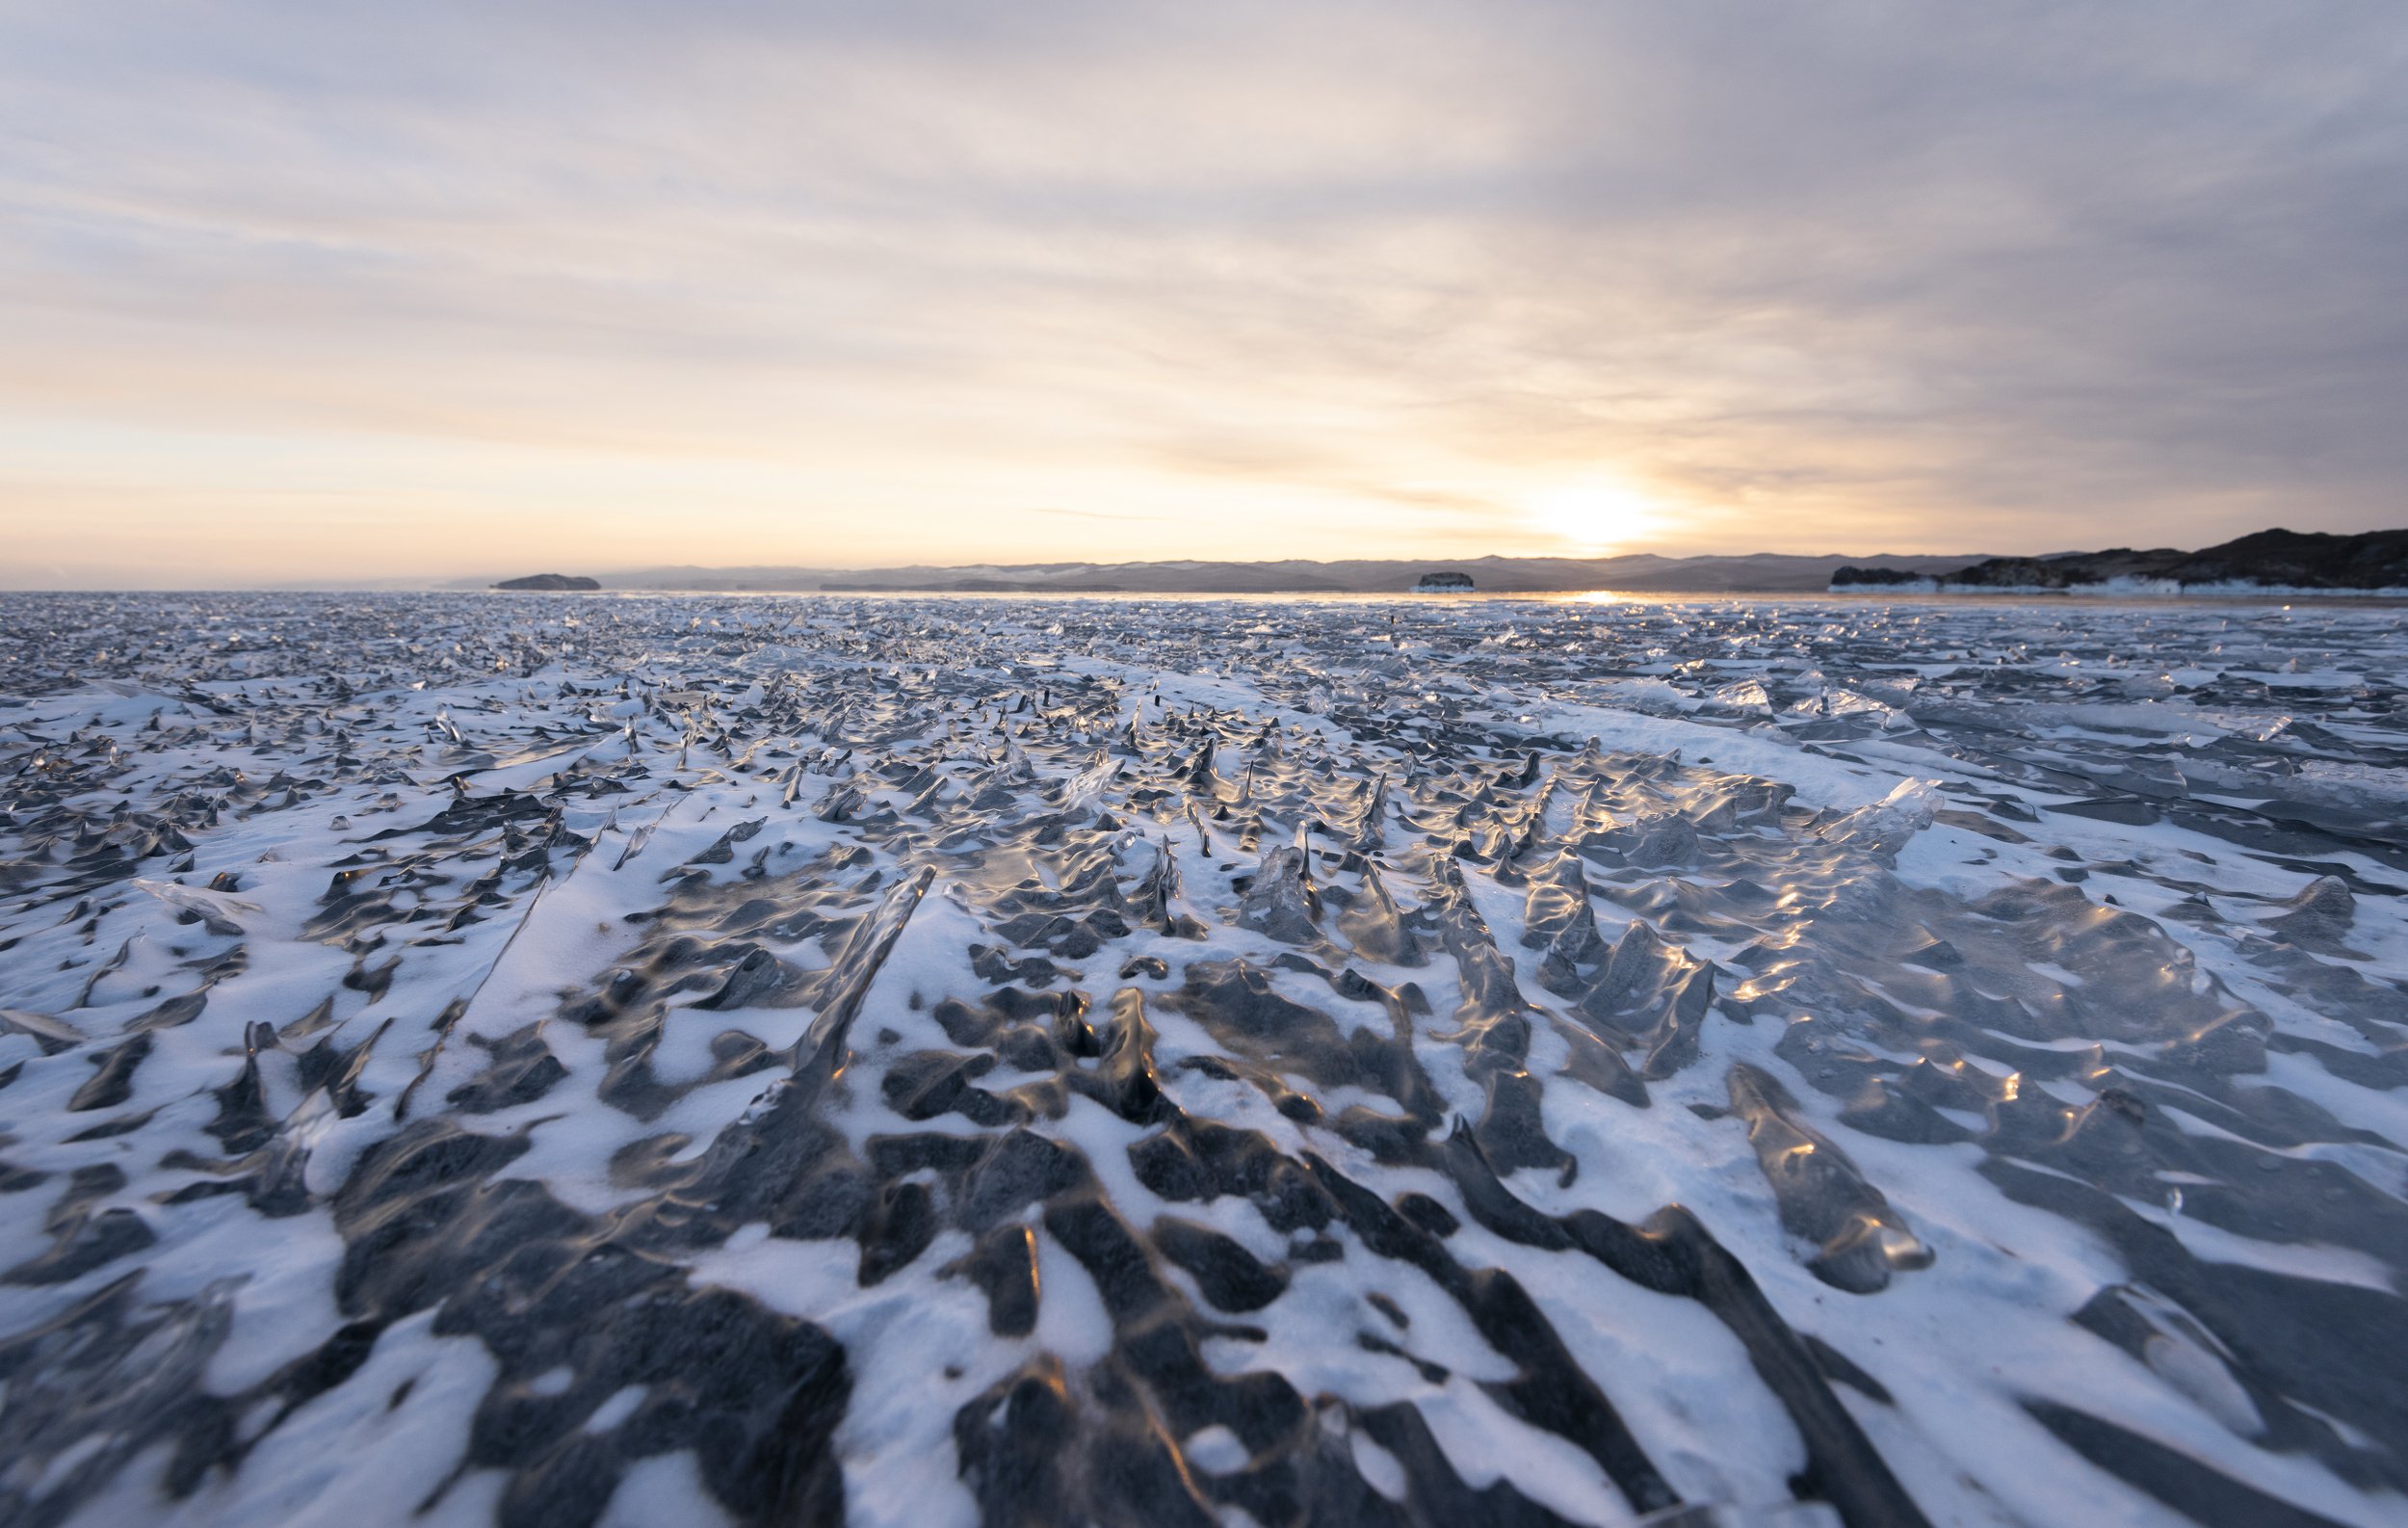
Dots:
pixel 2268 561
pixel 1763 572
pixel 2272 562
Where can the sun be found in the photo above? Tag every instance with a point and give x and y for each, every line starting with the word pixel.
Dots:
pixel 1594 516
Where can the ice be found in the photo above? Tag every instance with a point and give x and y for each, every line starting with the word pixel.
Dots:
pixel 574 1060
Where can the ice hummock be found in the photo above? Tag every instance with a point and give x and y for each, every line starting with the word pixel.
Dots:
pixel 559 1060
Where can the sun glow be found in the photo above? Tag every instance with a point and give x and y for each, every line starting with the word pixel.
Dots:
pixel 1595 517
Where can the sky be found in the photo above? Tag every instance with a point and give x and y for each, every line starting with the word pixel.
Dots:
pixel 332 290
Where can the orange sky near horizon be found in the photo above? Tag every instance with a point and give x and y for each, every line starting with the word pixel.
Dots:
pixel 297 294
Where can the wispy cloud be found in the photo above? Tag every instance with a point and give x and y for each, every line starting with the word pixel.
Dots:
pixel 837 284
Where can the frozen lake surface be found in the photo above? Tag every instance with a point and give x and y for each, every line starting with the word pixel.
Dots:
pixel 661 1060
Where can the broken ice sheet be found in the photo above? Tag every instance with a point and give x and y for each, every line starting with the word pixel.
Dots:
pixel 594 1060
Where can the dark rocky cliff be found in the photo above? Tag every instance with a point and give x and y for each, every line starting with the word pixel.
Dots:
pixel 2277 559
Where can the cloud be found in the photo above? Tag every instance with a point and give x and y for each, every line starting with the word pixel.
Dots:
pixel 850 284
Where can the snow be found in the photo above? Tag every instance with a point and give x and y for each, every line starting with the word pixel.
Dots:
pixel 610 1059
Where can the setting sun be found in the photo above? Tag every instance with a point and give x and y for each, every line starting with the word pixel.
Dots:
pixel 1596 517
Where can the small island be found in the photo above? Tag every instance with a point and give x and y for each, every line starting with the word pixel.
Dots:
pixel 1898 580
pixel 1444 583
pixel 551 583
